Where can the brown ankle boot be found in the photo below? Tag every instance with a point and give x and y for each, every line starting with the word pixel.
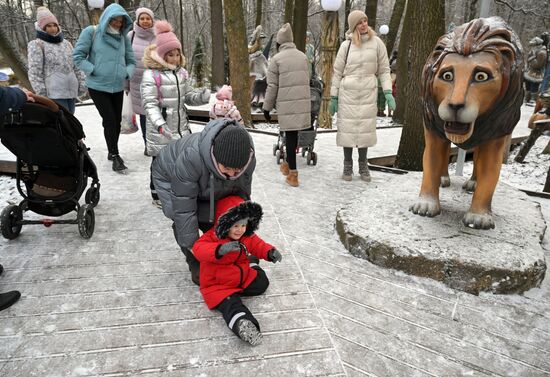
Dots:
pixel 292 178
pixel 284 168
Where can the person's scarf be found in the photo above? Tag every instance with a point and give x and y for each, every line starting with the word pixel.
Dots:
pixel 58 38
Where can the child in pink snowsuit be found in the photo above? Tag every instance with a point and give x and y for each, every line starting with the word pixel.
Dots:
pixel 224 106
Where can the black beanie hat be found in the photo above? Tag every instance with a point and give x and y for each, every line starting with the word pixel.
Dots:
pixel 232 147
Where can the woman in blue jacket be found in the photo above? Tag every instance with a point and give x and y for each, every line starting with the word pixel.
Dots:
pixel 104 53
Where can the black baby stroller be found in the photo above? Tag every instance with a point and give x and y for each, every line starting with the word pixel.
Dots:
pixel 54 165
pixel 306 138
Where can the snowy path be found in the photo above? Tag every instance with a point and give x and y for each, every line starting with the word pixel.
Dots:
pixel 123 304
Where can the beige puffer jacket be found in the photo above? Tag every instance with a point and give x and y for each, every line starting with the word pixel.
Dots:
pixel 167 109
pixel 288 84
pixel 355 85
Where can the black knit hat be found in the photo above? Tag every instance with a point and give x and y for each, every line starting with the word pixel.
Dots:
pixel 232 147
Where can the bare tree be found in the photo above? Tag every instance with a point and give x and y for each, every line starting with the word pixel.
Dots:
pixel 395 21
pixel 329 47
pixel 403 68
pixel 427 18
pixel 289 10
pixel 239 72
pixel 370 10
pixel 14 59
pixel 299 24
pixel 259 11
pixel 216 31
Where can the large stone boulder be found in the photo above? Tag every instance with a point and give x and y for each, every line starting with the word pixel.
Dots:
pixel 378 226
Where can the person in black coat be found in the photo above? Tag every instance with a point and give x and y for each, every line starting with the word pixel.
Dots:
pixel 11 99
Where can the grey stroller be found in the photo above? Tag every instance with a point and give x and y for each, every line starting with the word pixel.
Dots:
pixel 306 138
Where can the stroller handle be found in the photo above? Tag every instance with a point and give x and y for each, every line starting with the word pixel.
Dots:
pixel 46 102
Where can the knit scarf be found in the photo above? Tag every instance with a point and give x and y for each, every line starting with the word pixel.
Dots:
pixel 58 38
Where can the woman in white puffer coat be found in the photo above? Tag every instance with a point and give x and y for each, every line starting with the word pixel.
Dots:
pixel 359 62
pixel 165 90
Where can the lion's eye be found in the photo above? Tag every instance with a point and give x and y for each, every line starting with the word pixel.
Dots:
pixel 447 76
pixel 481 76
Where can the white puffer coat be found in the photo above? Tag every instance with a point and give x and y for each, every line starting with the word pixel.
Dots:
pixel 355 85
pixel 166 110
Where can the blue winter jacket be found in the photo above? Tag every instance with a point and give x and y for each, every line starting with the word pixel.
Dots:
pixel 11 99
pixel 106 59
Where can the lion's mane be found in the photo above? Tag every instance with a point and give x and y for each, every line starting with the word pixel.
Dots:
pixel 490 35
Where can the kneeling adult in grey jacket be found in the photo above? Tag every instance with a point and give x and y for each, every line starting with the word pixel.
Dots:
pixel 192 173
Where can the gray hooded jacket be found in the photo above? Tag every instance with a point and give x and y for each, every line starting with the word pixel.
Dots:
pixel 188 182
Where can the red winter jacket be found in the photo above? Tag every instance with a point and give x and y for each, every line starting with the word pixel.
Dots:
pixel 220 278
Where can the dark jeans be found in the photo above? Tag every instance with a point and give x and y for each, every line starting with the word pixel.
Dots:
pixel 291 139
pixel 143 123
pixel 68 103
pixel 233 309
pixel 192 262
pixel 109 106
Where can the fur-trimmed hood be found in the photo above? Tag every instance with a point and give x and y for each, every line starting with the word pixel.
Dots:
pixel 233 208
pixel 152 60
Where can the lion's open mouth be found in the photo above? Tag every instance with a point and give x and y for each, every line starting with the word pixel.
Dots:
pixel 458 132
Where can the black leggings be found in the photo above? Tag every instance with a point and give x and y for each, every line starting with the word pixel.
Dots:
pixel 109 106
pixel 154 194
pixel 349 151
pixel 291 139
pixel 233 309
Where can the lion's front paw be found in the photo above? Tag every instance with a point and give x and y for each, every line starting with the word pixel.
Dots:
pixel 426 207
pixel 469 185
pixel 478 220
pixel 445 181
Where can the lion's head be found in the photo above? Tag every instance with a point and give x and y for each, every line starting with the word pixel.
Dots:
pixel 472 83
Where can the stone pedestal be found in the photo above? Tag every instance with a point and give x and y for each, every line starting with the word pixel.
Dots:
pixel 378 226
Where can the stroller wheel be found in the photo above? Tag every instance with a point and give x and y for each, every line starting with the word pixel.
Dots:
pixel 278 156
pixel 92 196
pixel 303 152
pixel 86 221
pixel 314 158
pixel 9 219
pixel 308 158
pixel 275 149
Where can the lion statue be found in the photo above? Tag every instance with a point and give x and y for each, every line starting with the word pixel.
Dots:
pixel 472 93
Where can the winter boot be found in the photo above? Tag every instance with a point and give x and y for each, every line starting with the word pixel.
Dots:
pixel 248 332
pixel 9 298
pixel 292 178
pixel 364 170
pixel 284 168
pixel 348 171
pixel 118 163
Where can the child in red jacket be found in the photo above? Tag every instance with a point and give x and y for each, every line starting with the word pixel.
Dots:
pixel 225 272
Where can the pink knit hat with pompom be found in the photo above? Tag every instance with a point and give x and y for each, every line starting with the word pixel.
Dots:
pixel 148 11
pixel 225 93
pixel 44 17
pixel 166 39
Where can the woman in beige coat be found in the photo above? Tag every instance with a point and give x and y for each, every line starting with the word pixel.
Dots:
pixel 361 59
pixel 288 84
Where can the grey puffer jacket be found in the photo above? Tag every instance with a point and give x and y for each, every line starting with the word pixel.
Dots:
pixel 52 72
pixel 188 182
pixel 166 110
pixel 288 85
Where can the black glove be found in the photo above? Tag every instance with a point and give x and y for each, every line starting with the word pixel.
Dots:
pixel 274 256
pixel 267 116
pixel 227 248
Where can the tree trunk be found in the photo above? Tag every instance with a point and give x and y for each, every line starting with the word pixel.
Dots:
pixel 370 10
pixel 299 24
pixel 239 72
pixel 395 21
pixel 428 20
pixel 259 10
pixel 289 11
pixel 14 59
pixel 403 68
pixel 347 9
pixel 330 32
pixel 216 30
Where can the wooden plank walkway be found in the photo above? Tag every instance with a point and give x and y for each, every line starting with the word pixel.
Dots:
pixel 123 304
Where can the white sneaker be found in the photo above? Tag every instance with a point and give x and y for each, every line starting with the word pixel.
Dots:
pixel 157 203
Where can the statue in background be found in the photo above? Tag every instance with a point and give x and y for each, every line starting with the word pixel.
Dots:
pixel 472 91
pixel 258 68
